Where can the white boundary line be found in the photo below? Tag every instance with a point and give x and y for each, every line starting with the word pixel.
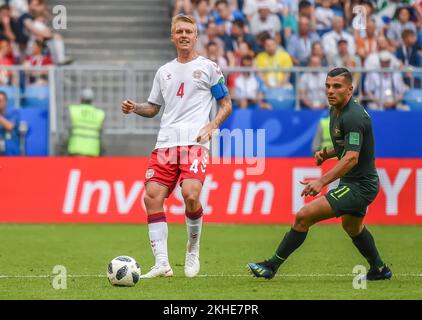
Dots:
pixel 316 275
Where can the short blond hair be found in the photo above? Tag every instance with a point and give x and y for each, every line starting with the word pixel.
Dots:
pixel 183 18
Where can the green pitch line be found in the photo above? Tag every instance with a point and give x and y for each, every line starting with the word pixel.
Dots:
pixel 320 269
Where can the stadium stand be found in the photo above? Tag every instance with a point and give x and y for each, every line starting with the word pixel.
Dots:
pixel 413 99
pixel 117 47
pixel 281 98
pixel 118 32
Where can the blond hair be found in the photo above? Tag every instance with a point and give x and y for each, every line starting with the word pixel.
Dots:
pixel 183 18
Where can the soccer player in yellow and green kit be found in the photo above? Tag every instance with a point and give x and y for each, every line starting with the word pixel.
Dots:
pixel 353 144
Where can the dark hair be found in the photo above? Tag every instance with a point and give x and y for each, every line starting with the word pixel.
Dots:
pixel 407 32
pixel 343 72
pixel 407 8
pixel 4 94
pixel 225 2
pixel 211 43
pixel 304 4
pixel 247 57
pixel 263 35
pixel 238 22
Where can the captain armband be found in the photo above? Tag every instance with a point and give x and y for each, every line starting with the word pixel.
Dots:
pixel 219 90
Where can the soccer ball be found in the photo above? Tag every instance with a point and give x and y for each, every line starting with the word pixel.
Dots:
pixel 123 271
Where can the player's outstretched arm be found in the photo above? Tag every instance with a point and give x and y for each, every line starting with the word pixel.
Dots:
pixel 145 109
pixel 224 111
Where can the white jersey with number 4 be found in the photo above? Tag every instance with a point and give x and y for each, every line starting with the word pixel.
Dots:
pixel 184 90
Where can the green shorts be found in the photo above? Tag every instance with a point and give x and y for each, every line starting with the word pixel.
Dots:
pixel 351 198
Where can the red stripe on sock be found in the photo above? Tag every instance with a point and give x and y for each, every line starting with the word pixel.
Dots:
pixel 157 217
pixel 194 215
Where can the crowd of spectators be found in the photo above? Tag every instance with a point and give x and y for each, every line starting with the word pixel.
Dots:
pixel 265 34
pixel 26 38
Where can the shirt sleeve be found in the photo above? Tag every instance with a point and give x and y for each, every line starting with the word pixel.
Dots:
pixel 353 133
pixel 156 96
pixel 216 75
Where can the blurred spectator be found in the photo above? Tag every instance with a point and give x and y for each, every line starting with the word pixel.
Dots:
pixel 260 40
pixel 250 7
pixel 312 87
pixel 6 59
pixel 403 22
pixel 214 54
pixel 324 16
pixel 343 56
pixel 330 39
pixel 201 14
pixel 373 61
pixel 32 26
pixel 225 16
pixel 9 134
pixel 6 27
pixel 289 12
pixel 409 55
pixel 306 9
pixel 238 36
pixel 37 59
pixel 274 57
pixel 211 34
pixel 265 20
pixel 384 90
pixel 249 88
pixel 25 26
pixel 367 44
pixel 317 50
pixel 182 7
pixel 86 124
pixel 299 45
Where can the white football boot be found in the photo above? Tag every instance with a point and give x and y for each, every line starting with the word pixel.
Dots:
pixel 192 265
pixel 163 270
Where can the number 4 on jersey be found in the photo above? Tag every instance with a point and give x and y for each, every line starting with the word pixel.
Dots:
pixel 181 91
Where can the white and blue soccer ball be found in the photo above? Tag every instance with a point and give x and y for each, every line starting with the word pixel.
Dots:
pixel 123 271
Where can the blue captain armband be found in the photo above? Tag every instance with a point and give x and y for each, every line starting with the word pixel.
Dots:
pixel 219 91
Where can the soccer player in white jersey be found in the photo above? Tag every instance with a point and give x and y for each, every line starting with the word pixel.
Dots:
pixel 185 87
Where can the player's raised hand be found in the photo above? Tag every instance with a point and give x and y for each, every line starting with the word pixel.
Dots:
pixel 128 106
pixel 321 156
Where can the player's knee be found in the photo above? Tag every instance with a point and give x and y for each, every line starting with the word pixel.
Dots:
pixel 351 230
pixel 302 220
pixel 191 200
pixel 152 200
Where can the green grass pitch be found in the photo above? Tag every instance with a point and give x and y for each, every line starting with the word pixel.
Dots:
pixel 320 269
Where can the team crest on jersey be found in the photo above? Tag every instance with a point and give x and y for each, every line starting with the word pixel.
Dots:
pixel 149 173
pixel 337 132
pixel 197 74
